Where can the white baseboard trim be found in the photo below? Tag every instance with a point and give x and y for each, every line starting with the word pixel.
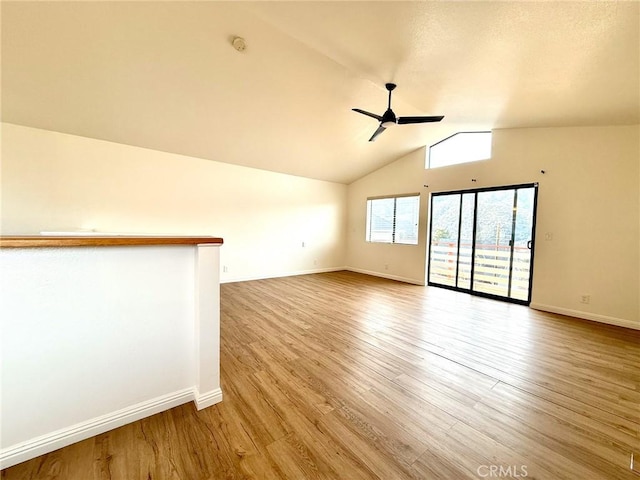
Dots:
pixel 204 400
pixel 61 438
pixel 385 275
pixel 279 275
pixel 620 322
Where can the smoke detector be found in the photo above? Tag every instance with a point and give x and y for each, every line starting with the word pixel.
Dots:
pixel 239 44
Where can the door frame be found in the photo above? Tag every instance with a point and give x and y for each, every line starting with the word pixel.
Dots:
pixel 475 191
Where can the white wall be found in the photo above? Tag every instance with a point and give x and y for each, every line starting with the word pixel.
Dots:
pixel 96 337
pixel 54 181
pixel 155 305
pixel 403 262
pixel 589 200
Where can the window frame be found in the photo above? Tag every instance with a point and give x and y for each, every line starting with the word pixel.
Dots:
pixel 394 230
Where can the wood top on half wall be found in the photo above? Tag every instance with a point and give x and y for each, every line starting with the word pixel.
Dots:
pixel 35 241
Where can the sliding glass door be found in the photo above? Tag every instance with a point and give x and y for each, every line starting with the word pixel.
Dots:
pixel 481 241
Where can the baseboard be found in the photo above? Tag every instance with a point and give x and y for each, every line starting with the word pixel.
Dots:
pixel 620 322
pixel 279 275
pixel 385 275
pixel 66 436
pixel 207 399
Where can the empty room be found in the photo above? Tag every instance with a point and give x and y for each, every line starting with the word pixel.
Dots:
pixel 320 240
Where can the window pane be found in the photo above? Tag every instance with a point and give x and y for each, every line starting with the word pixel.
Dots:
pixel 521 251
pixel 494 224
pixel 466 240
pixel 460 148
pixel 407 220
pixel 381 220
pixel 393 219
pixel 445 216
pixel 368 232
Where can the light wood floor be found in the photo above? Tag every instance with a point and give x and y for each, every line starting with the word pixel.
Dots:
pixel 344 376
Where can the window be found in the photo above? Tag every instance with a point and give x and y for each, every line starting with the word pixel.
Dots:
pixel 393 219
pixel 462 147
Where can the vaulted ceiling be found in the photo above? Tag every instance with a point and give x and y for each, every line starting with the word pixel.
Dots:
pixel 163 75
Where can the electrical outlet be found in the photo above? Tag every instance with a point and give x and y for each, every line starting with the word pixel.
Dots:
pixel 225 269
pixel 315 261
pixel 585 299
pixel 548 236
pixel 303 244
pixel 386 266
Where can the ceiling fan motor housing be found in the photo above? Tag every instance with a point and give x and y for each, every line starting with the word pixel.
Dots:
pixel 389 118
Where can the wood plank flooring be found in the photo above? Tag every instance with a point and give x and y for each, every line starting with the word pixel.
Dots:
pixel 345 376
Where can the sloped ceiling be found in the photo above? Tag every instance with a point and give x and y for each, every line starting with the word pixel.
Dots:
pixel 163 75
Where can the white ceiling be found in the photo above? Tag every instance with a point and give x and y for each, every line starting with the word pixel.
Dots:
pixel 163 75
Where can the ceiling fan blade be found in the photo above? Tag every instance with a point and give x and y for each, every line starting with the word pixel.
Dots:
pixel 377 132
pixel 368 114
pixel 405 120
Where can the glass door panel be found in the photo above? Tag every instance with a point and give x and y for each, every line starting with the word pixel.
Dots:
pixel 443 252
pixel 522 244
pixel 494 219
pixel 466 240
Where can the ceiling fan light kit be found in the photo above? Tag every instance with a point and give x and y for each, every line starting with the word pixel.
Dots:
pixel 389 118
